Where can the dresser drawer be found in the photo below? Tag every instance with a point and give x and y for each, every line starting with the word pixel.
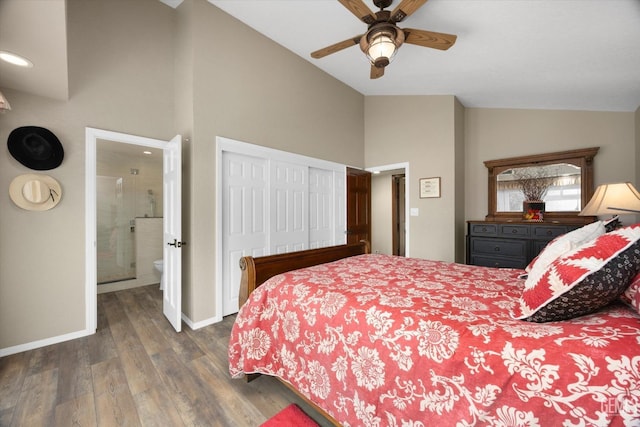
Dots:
pixel 514 230
pixel 537 246
pixel 499 247
pixel 547 232
pixel 487 261
pixel 483 229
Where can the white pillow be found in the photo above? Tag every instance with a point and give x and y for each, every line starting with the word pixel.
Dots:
pixel 563 244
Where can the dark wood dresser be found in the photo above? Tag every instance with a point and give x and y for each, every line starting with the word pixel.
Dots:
pixel 510 244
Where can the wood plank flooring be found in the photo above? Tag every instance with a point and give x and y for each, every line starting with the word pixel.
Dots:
pixel 137 371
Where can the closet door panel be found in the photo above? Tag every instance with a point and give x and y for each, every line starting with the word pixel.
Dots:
pixel 244 204
pixel 321 188
pixel 290 207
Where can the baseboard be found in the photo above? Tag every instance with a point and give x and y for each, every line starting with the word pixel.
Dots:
pixel 201 324
pixel 79 334
pixel 45 342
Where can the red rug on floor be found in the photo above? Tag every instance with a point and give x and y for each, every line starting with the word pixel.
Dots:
pixel 291 416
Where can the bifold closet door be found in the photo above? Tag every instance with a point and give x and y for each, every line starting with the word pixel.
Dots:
pixel 244 206
pixel 289 187
pixel 321 208
pixel 270 205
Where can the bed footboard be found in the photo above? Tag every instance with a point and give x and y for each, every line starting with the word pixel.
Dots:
pixel 256 271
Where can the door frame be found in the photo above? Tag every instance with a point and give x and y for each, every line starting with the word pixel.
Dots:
pixel 407 199
pixel 91 264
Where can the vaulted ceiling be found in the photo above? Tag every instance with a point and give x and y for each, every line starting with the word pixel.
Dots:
pixel 551 54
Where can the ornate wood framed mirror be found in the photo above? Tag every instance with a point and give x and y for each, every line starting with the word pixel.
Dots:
pixel 568 177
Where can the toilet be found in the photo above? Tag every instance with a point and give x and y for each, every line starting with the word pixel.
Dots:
pixel 159 264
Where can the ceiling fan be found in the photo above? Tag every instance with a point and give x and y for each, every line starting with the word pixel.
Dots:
pixel 383 38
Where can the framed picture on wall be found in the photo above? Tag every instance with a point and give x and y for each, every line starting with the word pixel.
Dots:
pixel 429 187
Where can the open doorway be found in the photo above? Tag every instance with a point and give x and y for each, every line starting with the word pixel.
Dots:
pixel 171 220
pixel 390 207
pixel 398 216
pixel 129 215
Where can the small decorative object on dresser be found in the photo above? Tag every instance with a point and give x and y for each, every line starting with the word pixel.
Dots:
pixel 533 211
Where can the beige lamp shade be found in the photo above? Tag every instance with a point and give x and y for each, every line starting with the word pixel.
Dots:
pixel 620 198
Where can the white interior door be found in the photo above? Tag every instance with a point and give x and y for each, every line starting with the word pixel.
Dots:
pixel 172 232
pixel 244 207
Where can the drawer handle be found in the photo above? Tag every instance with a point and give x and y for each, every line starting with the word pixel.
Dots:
pixel 549 232
pixel 514 231
pixel 497 249
pixel 484 229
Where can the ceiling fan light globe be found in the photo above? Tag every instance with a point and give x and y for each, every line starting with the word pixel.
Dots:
pixel 382 48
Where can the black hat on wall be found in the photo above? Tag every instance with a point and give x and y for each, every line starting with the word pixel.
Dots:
pixel 35 147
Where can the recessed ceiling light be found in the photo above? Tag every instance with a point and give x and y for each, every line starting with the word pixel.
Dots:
pixel 14 59
pixel 146 152
pixel 376 172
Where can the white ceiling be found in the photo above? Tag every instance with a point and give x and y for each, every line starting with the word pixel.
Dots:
pixel 551 54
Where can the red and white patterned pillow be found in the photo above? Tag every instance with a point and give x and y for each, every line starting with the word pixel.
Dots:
pixel 584 279
pixel 632 295
pixel 564 243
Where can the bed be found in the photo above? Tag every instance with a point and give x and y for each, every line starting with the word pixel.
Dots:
pixel 378 340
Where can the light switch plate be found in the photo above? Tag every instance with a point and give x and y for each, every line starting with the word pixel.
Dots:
pixel 415 211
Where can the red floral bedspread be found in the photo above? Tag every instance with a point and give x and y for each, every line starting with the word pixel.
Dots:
pixel 377 340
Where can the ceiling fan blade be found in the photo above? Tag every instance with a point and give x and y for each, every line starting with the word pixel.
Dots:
pixel 358 8
pixel 321 53
pixel 406 8
pixel 376 72
pixel 431 39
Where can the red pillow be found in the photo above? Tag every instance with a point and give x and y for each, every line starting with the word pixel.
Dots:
pixel 583 280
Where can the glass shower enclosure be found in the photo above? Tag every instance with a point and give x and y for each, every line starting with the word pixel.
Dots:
pixel 127 183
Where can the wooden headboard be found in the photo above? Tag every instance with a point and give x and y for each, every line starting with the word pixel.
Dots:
pixel 256 271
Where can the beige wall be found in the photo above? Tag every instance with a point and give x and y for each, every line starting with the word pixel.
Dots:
pixel 118 77
pixel 122 78
pixel 500 133
pixel 420 130
pixel 247 88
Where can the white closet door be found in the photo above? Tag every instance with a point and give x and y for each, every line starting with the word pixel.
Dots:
pixel 244 205
pixel 289 207
pixel 321 211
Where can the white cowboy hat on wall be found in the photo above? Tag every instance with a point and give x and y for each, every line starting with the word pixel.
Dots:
pixel 35 192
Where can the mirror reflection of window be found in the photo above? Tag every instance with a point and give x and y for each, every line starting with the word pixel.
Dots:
pixel 562 195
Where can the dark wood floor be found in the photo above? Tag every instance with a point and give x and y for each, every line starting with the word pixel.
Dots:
pixel 137 371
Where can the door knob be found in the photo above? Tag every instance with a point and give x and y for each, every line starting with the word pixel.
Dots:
pixel 177 244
